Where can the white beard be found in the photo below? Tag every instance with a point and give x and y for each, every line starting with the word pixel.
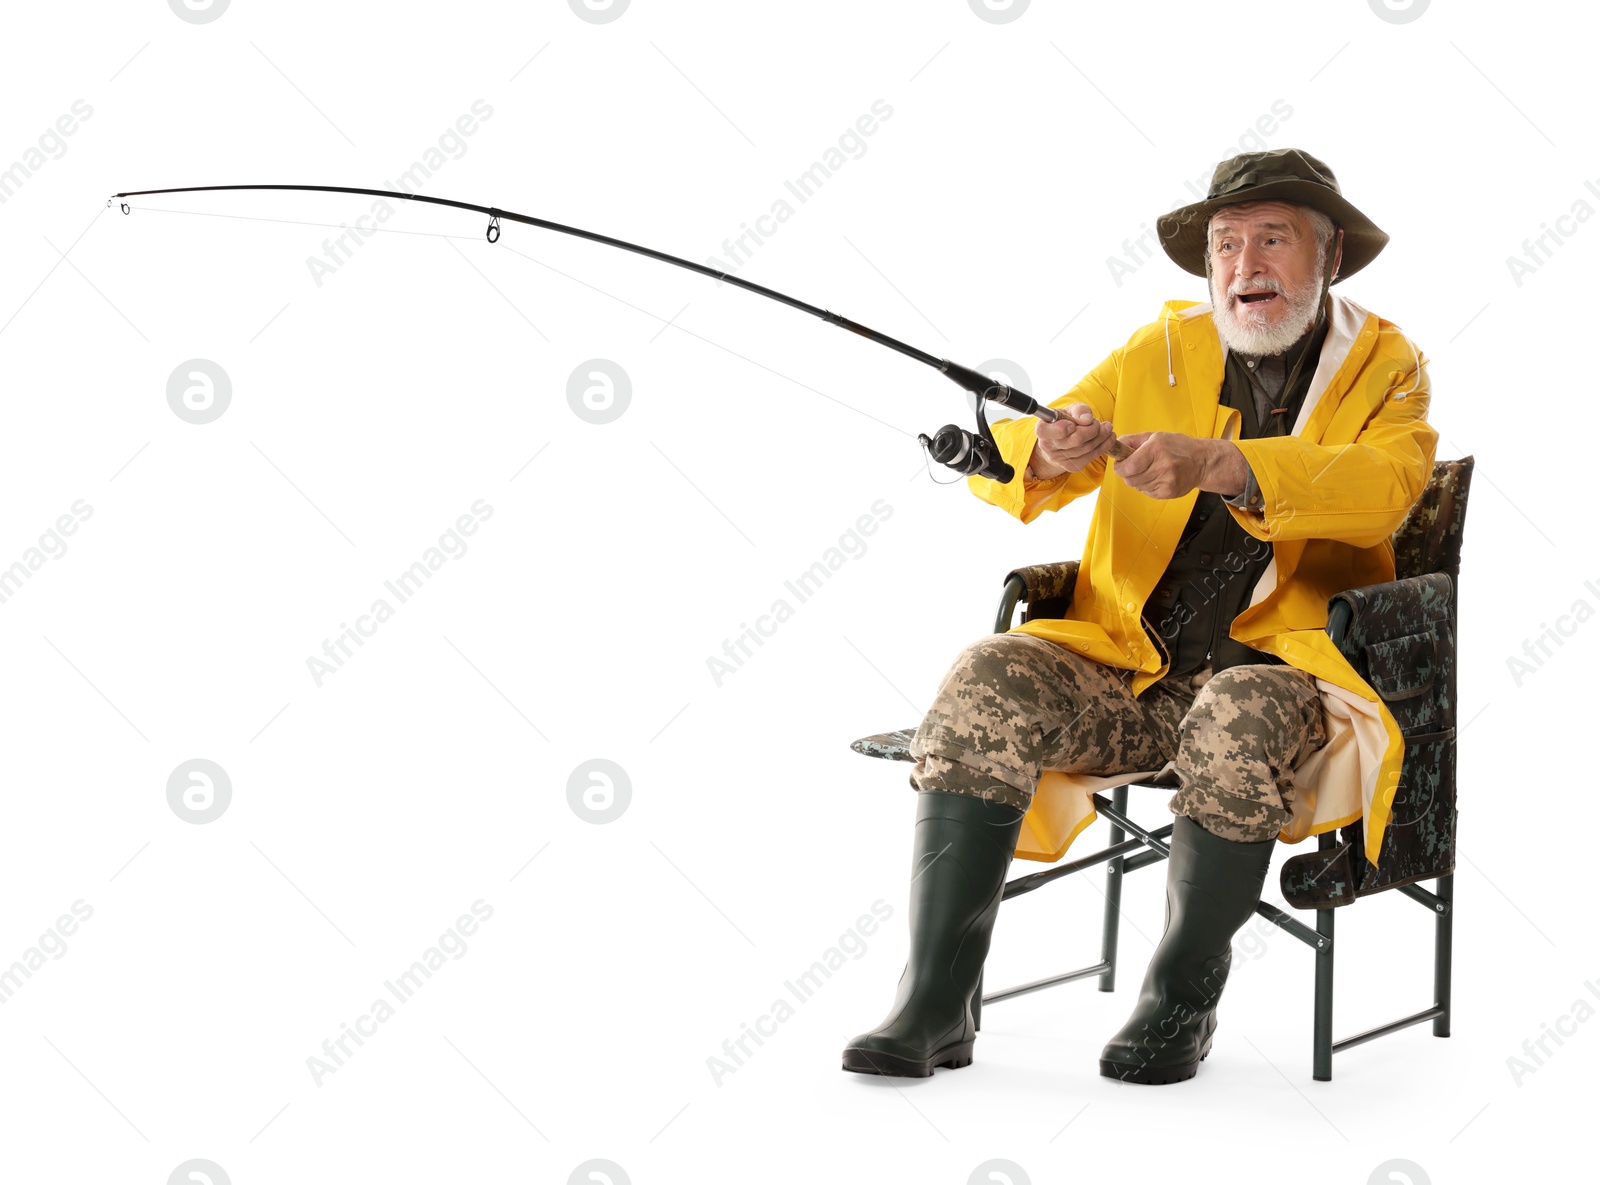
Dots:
pixel 1243 333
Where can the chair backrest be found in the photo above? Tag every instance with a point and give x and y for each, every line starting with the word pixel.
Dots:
pixel 1419 841
pixel 1430 538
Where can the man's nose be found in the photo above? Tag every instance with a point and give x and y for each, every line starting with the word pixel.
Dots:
pixel 1250 262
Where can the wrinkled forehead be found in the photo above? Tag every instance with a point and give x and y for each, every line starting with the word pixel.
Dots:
pixel 1284 216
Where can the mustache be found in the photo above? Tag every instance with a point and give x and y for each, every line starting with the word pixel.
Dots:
pixel 1239 287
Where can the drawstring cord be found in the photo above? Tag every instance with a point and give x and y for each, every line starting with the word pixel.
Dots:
pixel 1166 324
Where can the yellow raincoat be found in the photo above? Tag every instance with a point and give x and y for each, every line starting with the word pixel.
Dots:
pixel 1334 489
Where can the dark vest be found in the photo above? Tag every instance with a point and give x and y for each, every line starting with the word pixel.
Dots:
pixel 1217 563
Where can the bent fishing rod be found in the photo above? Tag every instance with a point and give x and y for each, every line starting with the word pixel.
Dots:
pixel 963 451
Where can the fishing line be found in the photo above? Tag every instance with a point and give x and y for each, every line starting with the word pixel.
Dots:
pixel 966 452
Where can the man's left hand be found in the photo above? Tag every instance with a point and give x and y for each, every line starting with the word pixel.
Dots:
pixel 1170 464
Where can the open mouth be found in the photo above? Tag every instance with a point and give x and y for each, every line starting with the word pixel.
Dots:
pixel 1257 298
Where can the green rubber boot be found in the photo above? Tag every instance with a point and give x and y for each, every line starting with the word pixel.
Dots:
pixel 1213 885
pixel 961 850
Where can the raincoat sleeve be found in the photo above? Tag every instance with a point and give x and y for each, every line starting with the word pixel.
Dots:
pixel 1248 498
pixel 1025 499
pixel 1357 493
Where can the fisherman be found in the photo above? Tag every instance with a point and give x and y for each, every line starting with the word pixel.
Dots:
pixel 1279 437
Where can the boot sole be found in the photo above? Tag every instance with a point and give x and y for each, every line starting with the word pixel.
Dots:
pixel 1153 1075
pixel 866 1061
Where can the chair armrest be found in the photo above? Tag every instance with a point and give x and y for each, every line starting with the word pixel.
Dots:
pixel 1358 617
pixel 1048 581
pixel 1400 638
pixel 1046 589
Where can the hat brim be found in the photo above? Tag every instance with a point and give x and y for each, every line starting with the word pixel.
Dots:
pixel 1183 231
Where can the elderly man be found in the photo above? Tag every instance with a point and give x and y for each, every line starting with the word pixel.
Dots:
pixel 1279 436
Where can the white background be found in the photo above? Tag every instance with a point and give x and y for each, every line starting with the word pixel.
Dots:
pixel 430 370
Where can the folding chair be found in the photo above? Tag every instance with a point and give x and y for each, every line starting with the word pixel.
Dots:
pixel 1400 637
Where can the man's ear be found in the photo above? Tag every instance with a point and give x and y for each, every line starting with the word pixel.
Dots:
pixel 1338 252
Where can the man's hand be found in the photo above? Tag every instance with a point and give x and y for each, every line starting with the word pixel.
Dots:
pixel 1170 464
pixel 1070 443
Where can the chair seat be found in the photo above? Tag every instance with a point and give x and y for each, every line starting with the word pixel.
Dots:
pixel 891 746
pixel 896 746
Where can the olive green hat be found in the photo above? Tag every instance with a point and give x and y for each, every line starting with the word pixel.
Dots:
pixel 1280 174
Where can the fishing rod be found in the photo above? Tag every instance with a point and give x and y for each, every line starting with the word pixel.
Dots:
pixel 965 452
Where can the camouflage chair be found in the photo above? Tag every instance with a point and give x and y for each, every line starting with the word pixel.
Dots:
pixel 1401 638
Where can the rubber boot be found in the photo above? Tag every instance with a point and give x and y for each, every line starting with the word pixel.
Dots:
pixel 1213 885
pixel 961 850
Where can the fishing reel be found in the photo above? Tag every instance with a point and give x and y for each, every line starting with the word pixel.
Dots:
pixel 977 453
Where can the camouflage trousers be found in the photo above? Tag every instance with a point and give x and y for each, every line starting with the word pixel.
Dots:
pixel 1013 705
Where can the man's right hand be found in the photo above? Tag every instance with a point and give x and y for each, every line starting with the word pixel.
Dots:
pixel 1069 444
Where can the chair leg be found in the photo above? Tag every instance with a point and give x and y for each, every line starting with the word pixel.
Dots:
pixel 1322 1018
pixel 1108 935
pixel 1322 1023
pixel 1444 889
